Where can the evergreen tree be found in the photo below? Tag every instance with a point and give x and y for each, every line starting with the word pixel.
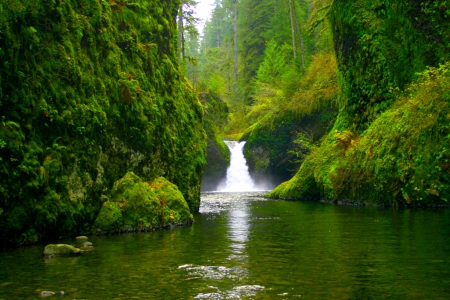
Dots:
pixel 186 24
pixel 273 65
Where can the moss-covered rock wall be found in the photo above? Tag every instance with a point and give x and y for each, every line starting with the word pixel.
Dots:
pixel 273 150
pixel 217 153
pixel 89 90
pixel 380 46
pixel 389 144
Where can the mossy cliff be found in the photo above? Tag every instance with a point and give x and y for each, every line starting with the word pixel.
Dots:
pixel 389 144
pixel 217 154
pixel 276 147
pixel 293 126
pixel 89 90
pixel 380 46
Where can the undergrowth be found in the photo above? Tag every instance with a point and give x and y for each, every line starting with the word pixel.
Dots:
pixel 402 158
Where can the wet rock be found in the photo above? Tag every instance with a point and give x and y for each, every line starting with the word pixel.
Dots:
pixel 47 293
pixel 60 249
pixel 209 296
pixel 87 245
pixel 82 238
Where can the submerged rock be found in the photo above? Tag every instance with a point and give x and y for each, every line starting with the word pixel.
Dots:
pixel 47 293
pixel 50 293
pixel 60 249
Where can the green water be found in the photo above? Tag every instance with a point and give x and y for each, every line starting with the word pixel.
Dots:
pixel 245 247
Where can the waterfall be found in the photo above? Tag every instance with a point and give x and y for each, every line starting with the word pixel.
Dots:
pixel 238 178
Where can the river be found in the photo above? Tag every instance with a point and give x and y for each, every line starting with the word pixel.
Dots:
pixel 243 246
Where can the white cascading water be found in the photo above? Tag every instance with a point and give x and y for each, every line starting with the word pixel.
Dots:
pixel 238 178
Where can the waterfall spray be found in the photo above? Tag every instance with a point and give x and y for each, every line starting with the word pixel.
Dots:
pixel 238 177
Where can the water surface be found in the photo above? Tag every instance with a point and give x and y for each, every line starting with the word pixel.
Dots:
pixel 245 247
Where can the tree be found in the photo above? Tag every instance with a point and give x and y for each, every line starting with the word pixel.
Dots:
pixel 273 65
pixel 186 24
pixel 254 23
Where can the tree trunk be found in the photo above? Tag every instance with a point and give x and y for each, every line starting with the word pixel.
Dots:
pixel 180 35
pixel 291 14
pixel 300 39
pixel 235 40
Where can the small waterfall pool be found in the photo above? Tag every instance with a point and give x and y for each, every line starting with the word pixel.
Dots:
pixel 243 246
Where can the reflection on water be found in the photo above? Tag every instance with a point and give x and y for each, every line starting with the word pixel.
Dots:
pixel 238 228
pixel 245 247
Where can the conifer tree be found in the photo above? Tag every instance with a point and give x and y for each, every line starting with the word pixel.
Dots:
pixel 273 65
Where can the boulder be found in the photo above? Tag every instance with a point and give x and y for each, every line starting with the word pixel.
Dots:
pixel 109 220
pixel 138 205
pixel 60 249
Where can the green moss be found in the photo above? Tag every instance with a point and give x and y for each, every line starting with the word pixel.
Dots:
pixel 389 144
pixel 218 155
pixel 381 50
pixel 176 208
pixel 110 217
pixel 139 205
pixel 401 159
pixel 60 249
pixel 88 92
pixel 273 150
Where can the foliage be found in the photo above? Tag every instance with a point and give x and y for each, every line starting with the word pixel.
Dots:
pixel 217 155
pixel 397 160
pixel 319 87
pixel 287 108
pixel 389 142
pixel 273 65
pixel 89 91
pixel 381 45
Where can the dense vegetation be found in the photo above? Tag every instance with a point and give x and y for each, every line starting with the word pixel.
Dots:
pixel 217 153
pixel 389 143
pixel 349 98
pixel 90 90
pixel 257 57
pixel 358 106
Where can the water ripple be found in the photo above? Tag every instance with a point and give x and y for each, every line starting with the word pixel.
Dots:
pixel 214 272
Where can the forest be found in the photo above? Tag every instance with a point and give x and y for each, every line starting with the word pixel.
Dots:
pixel 338 100
pixel 110 106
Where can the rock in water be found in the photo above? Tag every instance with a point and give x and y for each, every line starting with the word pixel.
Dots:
pixel 81 238
pixel 60 249
pixel 87 244
pixel 47 293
